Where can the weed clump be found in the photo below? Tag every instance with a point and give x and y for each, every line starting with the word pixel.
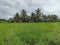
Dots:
pixel 51 42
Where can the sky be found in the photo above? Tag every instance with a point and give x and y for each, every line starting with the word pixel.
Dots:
pixel 8 8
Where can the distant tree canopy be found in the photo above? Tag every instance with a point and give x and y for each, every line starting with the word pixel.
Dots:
pixel 36 16
pixel 3 20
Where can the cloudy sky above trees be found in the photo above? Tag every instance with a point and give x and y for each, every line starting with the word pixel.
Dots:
pixel 9 7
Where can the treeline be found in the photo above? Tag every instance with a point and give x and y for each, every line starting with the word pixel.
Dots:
pixel 36 16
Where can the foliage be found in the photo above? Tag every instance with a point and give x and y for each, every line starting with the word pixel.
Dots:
pixel 30 33
pixel 36 16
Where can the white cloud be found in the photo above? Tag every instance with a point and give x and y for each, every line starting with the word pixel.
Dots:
pixel 9 7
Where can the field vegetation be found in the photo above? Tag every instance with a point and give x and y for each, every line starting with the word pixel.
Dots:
pixel 44 33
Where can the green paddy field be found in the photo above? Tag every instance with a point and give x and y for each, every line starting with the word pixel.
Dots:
pixel 47 33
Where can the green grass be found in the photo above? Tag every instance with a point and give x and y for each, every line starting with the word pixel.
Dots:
pixel 30 33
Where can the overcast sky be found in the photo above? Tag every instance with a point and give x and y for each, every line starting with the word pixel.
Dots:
pixel 9 7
